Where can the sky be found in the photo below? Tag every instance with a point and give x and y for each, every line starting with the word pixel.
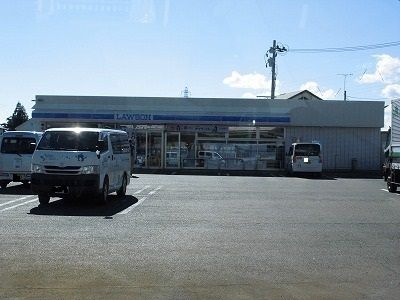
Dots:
pixel 215 48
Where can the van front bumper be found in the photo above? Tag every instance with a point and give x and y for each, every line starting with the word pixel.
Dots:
pixel 76 184
pixel 15 176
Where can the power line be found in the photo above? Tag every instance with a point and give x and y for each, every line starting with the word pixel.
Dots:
pixel 347 49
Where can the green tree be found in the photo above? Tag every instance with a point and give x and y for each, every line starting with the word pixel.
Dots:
pixel 18 117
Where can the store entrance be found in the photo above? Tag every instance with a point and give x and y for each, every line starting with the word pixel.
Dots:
pixel 209 147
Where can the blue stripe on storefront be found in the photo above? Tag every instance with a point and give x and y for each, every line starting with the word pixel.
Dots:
pixel 72 116
pixel 161 118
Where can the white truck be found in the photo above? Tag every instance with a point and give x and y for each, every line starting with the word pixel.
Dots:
pixel 391 166
pixel 16 152
pixel 81 161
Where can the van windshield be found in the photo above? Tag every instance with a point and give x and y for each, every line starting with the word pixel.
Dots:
pixel 307 150
pixel 69 141
pixel 17 145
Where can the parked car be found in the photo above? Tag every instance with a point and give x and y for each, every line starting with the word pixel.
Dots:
pixel 16 152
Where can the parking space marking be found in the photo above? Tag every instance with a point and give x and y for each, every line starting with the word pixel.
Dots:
pixel 16 200
pixel 385 190
pixel 20 204
pixel 155 190
pixel 140 201
pixel 139 191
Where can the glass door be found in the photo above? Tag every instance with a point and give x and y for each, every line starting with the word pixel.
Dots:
pixel 154 149
pixel 172 150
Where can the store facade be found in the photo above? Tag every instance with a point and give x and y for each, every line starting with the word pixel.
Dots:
pixel 221 133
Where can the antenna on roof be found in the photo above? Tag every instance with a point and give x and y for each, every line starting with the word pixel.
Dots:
pixel 186 93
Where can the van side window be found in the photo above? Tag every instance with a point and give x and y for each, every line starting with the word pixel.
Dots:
pixel 115 143
pixel 105 139
pixel 120 143
pixel 125 146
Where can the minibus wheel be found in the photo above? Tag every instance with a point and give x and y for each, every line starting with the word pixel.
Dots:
pixel 392 187
pixel 44 198
pixel 104 191
pixel 122 191
pixel 3 184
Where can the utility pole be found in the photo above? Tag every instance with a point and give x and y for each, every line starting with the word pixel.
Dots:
pixel 344 84
pixel 273 69
pixel 274 50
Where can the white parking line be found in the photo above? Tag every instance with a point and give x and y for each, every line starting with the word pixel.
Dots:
pixel 155 190
pixel 140 201
pixel 385 190
pixel 139 191
pixel 26 202
pixel 16 200
pixel 126 210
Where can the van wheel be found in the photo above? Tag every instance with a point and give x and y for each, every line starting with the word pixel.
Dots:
pixel 104 191
pixel 122 191
pixel 391 186
pixel 26 184
pixel 44 199
pixel 3 184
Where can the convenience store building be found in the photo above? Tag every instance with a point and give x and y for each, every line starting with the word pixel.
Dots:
pixel 225 133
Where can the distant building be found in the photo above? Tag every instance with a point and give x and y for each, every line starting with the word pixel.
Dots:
pixel 299 95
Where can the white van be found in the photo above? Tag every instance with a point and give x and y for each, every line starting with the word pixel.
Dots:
pixel 210 159
pixel 16 155
pixel 305 157
pixel 77 161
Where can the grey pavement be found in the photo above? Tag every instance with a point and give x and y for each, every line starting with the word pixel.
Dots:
pixel 206 237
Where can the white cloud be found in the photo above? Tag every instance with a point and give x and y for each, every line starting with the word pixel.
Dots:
pixel 387 70
pixel 391 91
pixel 253 81
pixel 314 88
pixel 249 95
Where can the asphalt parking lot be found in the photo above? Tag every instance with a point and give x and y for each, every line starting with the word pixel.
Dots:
pixel 205 237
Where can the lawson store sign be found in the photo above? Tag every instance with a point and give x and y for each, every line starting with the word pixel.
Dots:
pixel 161 118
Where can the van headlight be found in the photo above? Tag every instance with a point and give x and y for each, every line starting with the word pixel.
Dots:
pixel 90 170
pixel 37 168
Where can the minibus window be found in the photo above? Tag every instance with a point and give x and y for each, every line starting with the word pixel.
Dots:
pixel 17 145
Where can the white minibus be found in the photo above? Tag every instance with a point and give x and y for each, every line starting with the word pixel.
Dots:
pixel 305 157
pixel 16 152
pixel 78 161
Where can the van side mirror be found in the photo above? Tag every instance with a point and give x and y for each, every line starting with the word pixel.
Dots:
pixel 32 146
pixel 101 145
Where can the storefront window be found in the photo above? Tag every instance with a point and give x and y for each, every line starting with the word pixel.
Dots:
pixel 270 155
pixel 242 132
pixel 172 152
pixel 188 149
pixel 140 161
pixel 211 134
pixel 154 150
pixel 245 154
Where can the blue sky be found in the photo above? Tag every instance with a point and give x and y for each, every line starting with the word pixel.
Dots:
pixel 216 48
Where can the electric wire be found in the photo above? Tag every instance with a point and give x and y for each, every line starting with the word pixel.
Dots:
pixel 347 49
